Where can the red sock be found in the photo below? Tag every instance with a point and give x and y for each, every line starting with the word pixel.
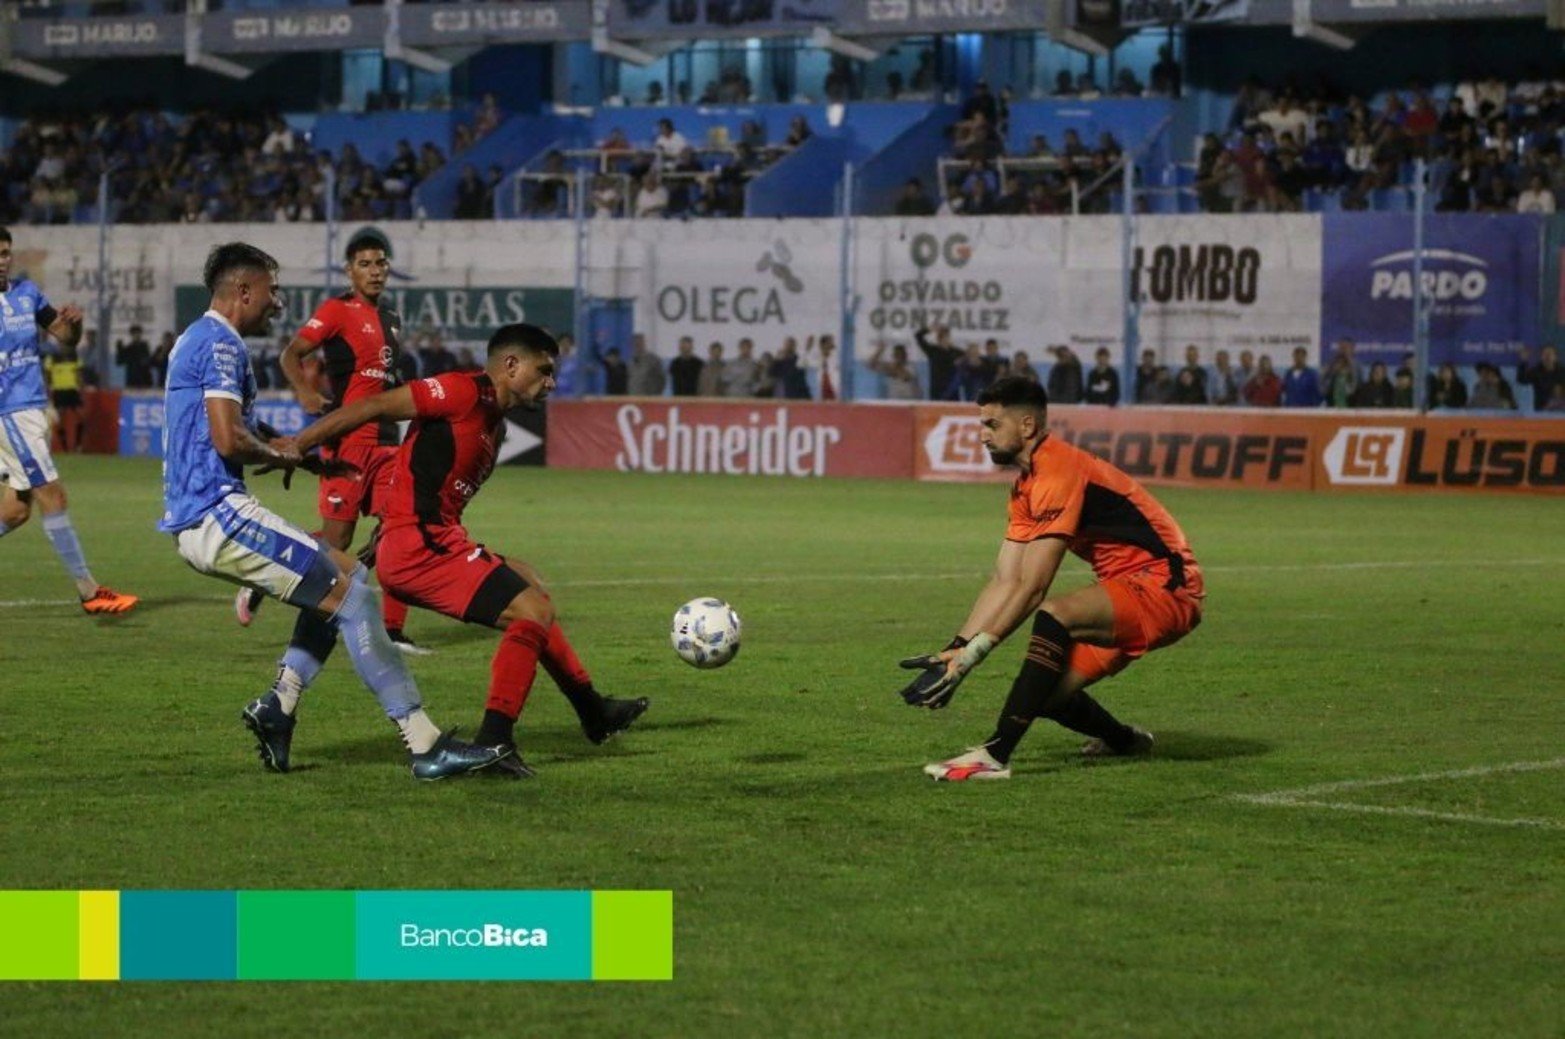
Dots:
pixel 561 661
pixel 393 611
pixel 514 666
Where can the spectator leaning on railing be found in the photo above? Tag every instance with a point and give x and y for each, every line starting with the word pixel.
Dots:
pixel 646 378
pixel 1263 389
pixel 1446 388
pixel 1490 391
pixel 741 374
pixel 684 371
pixel 901 382
pixel 1103 381
pixel 1545 377
pixel 1065 376
pixel 1301 383
pixel 1223 384
pixel 1375 391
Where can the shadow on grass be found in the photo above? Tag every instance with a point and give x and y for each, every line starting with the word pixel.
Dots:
pixel 1178 745
pixel 779 757
pixel 555 744
pixel 154 605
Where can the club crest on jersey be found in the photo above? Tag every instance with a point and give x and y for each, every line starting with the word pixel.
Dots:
pixel 436 390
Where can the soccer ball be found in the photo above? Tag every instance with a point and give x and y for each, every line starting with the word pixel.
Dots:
pixel 705 633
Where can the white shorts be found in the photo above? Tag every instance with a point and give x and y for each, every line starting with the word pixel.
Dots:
pixel 243 542
pixel 25 461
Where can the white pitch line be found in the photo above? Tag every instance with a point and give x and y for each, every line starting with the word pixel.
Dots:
pixel 1405 810
pixel 1305 796
pixel 1423 777
pixel 961 575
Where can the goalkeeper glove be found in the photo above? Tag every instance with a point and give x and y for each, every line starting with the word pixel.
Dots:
pixel 942 672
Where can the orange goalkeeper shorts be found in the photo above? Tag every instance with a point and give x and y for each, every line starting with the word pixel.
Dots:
pixel 1147 616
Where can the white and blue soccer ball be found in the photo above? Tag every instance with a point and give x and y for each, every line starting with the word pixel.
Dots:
pixel 705 633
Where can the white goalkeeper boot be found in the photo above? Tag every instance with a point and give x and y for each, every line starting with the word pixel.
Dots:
pixel 977 763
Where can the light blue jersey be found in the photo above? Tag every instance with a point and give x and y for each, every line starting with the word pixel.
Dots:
pixel 22 306
pixel 209 360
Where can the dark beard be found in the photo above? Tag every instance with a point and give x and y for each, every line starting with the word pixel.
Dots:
pixel 1002 457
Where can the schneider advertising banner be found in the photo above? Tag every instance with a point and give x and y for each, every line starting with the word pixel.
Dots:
pixel 742 438
pixel 1480 273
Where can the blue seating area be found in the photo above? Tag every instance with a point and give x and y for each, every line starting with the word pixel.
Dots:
pixel 784 180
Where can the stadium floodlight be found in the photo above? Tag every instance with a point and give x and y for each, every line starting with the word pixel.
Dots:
pixel 1305 27
pixel 49 77
pixel 638 52
pixel 1099 38
pixel 859 48
pixel 9 62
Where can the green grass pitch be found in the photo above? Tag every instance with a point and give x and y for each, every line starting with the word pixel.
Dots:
pixel 823 886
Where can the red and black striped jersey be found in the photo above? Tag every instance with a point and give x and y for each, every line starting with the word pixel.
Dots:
pixel 450 450
pixel 360 343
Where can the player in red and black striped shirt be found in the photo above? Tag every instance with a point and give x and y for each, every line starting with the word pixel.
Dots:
pixel 427 557
pixel 358 338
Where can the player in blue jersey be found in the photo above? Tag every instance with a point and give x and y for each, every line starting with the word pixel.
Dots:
pixel 221 531
pixel 27 472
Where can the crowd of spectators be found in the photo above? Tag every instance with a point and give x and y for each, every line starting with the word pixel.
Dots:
pixel 1344 382
pixel 962 371
pixel 794 371
pixel 1491 146
pixel 668 176
pixel 982 177
pixel 951 372
pixel 213 167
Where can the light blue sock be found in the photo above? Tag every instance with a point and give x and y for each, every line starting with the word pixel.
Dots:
pixel 63 537
pixel 294 675
pixel 380 665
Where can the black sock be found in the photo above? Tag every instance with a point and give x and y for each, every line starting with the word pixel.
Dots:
pixel 1081 713
pixel 495 728
pixel 586 701
pixel 315 634
pixel 1008 732
pixel 1047 653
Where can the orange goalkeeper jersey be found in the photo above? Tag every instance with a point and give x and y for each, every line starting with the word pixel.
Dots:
pixel 1106 517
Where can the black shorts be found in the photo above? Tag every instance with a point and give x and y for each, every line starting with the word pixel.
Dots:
pixel 67 399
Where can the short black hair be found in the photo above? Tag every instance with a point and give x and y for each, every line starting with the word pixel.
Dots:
pixel 233 257
pixel 366 240
pixel 529 338
pixel 5 234
pixel 1013 391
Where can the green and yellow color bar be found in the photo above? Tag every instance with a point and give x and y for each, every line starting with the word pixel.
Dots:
pixel 336 935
